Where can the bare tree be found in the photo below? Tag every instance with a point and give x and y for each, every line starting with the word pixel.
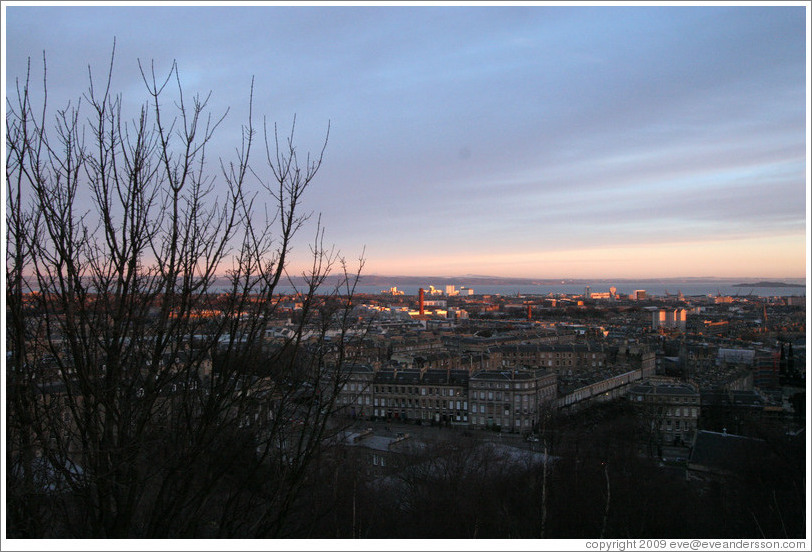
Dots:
pixel 145 396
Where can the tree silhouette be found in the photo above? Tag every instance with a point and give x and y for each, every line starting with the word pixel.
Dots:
pixel 144 397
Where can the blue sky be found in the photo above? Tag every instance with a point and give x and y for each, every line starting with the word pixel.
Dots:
pixel 533 141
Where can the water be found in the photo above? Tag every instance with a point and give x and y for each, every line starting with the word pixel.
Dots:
pixel 695 288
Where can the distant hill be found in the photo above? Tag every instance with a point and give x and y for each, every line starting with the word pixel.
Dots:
pixel 475 280
pixel 769 285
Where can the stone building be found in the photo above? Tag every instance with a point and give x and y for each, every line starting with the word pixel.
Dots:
pixel 561 359
pixel 669 410
pixel 438 396
pixel 511 400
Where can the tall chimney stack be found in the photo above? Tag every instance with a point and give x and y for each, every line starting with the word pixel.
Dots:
pixel 421 301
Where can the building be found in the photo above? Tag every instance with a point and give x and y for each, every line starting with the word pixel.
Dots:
pixel 457 313
pixel 561 359
pixel 354 398
pixel 670 410
pixel 392 291
pixel 675 319
pixel 431 396
pixel 766 369
pixel 511 400
pixel 720 456
pixel 442 360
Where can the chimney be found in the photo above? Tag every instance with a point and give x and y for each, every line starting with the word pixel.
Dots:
pixel 529 312
pixel 420 300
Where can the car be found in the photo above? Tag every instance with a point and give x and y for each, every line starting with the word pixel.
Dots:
pixel 532 439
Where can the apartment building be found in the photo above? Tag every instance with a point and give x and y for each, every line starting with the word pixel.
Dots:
pixel 675 319
pixel 472 362
pixel 669 409
pixel 510 399
pixel 561 359
pixel 354 398
pixel 439 396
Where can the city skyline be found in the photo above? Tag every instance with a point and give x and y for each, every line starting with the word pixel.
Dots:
pixel 532 141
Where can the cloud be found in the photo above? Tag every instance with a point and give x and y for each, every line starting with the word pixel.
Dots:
pixel 476 131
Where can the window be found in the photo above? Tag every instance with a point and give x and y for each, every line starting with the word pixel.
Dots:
pixel 473 408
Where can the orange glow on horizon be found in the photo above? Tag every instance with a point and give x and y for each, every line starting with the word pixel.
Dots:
pixel 773 257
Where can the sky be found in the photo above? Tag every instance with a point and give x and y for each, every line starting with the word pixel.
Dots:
pixel 536 140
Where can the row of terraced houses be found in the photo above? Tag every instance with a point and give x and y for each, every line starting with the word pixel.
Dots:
pixel 510 399
pixel 507 387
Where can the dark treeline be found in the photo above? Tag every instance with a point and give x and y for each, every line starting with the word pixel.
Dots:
pixel 597 486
